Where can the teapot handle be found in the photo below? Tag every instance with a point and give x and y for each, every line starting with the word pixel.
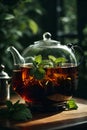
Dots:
pixel 77 50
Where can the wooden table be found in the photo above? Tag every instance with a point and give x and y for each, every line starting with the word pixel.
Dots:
pixel 71 119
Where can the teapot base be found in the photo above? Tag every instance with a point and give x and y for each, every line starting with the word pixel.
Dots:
pixel 38 107
pixel 56 102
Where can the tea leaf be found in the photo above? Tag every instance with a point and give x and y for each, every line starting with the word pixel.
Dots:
pixel 52 58
pixel 16 103
pixel 38 59
pixel 9 104
pixel 39 64
pixel 16 111
pixel 22 115
pixel 57 60
pixel 46 63
pixel 71 104
pixel 60 60
pixel 39 73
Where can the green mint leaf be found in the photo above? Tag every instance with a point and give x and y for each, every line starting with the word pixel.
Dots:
pixel 71 104
pixel 19 107
pixel 15 105
pixel 38 59
pixel 12 107
pixel 39 64
pixel 60 60
pixel 39 73
pixel 22 115
pixel 17 111
pixel 9 104
pixel 46 63
pixel 52 58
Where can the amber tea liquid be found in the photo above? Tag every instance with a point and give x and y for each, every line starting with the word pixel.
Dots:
pixel 57 86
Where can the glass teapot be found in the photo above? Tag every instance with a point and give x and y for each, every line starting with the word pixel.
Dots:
pixel 47 72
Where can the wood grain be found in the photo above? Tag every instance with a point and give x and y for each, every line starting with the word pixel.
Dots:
pixel 52 120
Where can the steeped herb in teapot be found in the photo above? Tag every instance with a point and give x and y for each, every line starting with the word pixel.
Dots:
pixel 58 84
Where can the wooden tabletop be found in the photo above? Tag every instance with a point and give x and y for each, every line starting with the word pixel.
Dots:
pixel 52 120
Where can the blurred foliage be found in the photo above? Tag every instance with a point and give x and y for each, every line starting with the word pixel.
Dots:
pixel 69 27
pixel 18 18
pixel 70 16
pixel 69 20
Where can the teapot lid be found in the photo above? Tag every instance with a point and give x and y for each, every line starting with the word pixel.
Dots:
pixel 47 47
pixel 3 74
pixel 47 41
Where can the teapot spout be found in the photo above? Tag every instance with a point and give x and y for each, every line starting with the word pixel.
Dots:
pixel 18 59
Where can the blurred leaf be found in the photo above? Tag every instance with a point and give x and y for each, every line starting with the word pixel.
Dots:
pixel 33 26
pixel 85 30
pixel 18 20
pixel 9 17
pixel 28 1
pixel 23 26
pixel 39 11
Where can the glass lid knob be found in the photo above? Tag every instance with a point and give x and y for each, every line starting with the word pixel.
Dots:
pixel 46 36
